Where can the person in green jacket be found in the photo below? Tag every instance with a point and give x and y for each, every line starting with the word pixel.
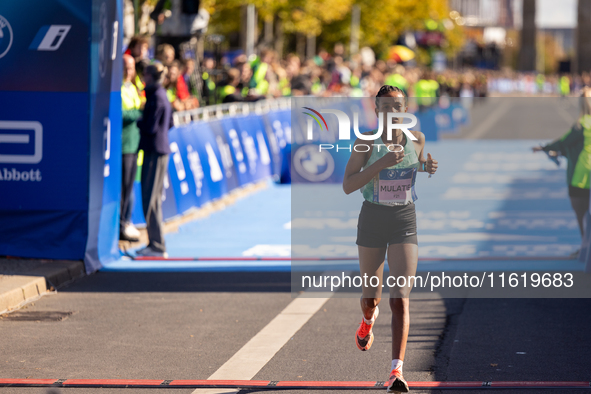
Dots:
pixel 575 145
pixel 130 139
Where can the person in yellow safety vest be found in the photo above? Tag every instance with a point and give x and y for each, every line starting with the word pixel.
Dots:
pixel 426 90
pixel 397 79
pixel 260 68
pixel 130 139
pixel 138 49
pixel 140 87
pixel 564 86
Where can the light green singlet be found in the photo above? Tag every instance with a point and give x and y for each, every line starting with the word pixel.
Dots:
pixel 393 185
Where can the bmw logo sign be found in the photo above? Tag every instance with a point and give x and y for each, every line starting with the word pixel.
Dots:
pixel 312 165
pixel 5 36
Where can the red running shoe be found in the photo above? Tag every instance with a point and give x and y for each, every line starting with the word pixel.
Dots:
pixel 396 383
pixel 364 334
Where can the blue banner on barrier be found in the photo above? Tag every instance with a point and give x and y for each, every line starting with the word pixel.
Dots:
pixel 193 160
pixel 204 144
pixel 460 114
pixel 225 143
pixel 177 170
pixel 251 133
pixel 266 146
pixel 240 173
pixel 169 207
pixel 427 124
pixel 279 135
pixel 444 120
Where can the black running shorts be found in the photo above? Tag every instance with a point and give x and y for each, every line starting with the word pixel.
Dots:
pixel 382 225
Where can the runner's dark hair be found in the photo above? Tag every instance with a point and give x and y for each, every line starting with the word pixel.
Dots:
pixel 387 89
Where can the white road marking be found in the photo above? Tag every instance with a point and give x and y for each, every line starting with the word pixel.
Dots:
pixel 261 348
pixel 268 250
pixel 568 118
pixel 324 223
pixel 506 178
pixel 524 167
pixel 491 193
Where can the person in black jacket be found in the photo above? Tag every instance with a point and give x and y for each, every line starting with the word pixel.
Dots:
pixel 154 126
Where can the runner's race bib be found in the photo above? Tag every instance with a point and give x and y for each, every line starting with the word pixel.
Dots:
pixel 395 187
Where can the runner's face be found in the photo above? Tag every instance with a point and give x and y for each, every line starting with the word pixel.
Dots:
pixel 394 102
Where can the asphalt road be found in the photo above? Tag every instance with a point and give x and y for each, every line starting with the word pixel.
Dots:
pixel 507 118
pixel 187 325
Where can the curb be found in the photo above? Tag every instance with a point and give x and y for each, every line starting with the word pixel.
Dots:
pixel 26 285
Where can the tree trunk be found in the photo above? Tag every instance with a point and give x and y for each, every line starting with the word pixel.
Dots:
pixel 583 33
pixel 268 35
pixel 527 53
pixel 310 47
pixel 301 45
pixel 248 28
pixel 279 37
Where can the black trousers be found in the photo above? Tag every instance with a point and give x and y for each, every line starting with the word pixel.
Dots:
pixel 153 173
pixel 128 173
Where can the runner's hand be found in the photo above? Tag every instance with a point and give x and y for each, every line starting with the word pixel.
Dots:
pixel 431 165
pixel 392 158
pixel 537 148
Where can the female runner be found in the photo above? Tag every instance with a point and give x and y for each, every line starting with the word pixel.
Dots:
pixel 386 175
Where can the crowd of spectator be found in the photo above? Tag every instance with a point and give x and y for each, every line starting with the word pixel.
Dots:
pixel 247 79
pixel 268 76
pixel 153 88
pixel 243 79
pixel 508 82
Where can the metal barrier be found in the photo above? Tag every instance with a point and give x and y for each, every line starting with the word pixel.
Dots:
pixel 230 109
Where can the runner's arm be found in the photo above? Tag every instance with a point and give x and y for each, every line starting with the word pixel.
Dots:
pixel 355 178
pixel 421 137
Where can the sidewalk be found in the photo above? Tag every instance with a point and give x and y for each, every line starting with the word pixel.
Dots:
pixel 24 280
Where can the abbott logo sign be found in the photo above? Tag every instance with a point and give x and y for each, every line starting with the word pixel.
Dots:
pixel 14 134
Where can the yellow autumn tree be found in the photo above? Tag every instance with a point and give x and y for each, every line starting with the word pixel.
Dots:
pixel 381 23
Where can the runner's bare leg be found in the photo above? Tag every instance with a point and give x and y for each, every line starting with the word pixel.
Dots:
pixel 402 260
